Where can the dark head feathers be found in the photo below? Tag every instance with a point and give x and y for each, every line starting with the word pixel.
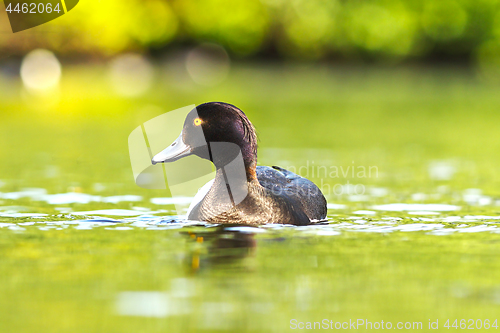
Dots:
pixel 231 112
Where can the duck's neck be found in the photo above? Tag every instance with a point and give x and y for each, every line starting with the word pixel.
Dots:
pixel 250 160
pixel 241 167
pixel 236 173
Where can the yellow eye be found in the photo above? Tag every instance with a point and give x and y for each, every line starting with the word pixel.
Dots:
pixel 197 122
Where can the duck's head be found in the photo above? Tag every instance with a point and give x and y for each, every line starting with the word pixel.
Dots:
pixel 212 123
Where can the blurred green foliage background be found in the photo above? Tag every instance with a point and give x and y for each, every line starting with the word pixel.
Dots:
pixel 380 30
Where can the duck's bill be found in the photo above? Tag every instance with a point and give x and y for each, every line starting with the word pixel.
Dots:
pixel 178 149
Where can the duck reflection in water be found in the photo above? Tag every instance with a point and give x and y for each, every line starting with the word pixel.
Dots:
pixel 224 246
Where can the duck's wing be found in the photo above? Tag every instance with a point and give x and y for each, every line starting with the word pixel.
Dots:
pixel 298 188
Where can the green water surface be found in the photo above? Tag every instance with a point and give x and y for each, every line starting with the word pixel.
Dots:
pixel 430 135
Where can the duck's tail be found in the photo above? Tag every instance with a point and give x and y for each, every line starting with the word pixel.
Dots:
pixel 285 172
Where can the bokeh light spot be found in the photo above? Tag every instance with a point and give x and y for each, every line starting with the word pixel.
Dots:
pixel 131 75
pixel 40 71
pixel 208 64
pixel 488 60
